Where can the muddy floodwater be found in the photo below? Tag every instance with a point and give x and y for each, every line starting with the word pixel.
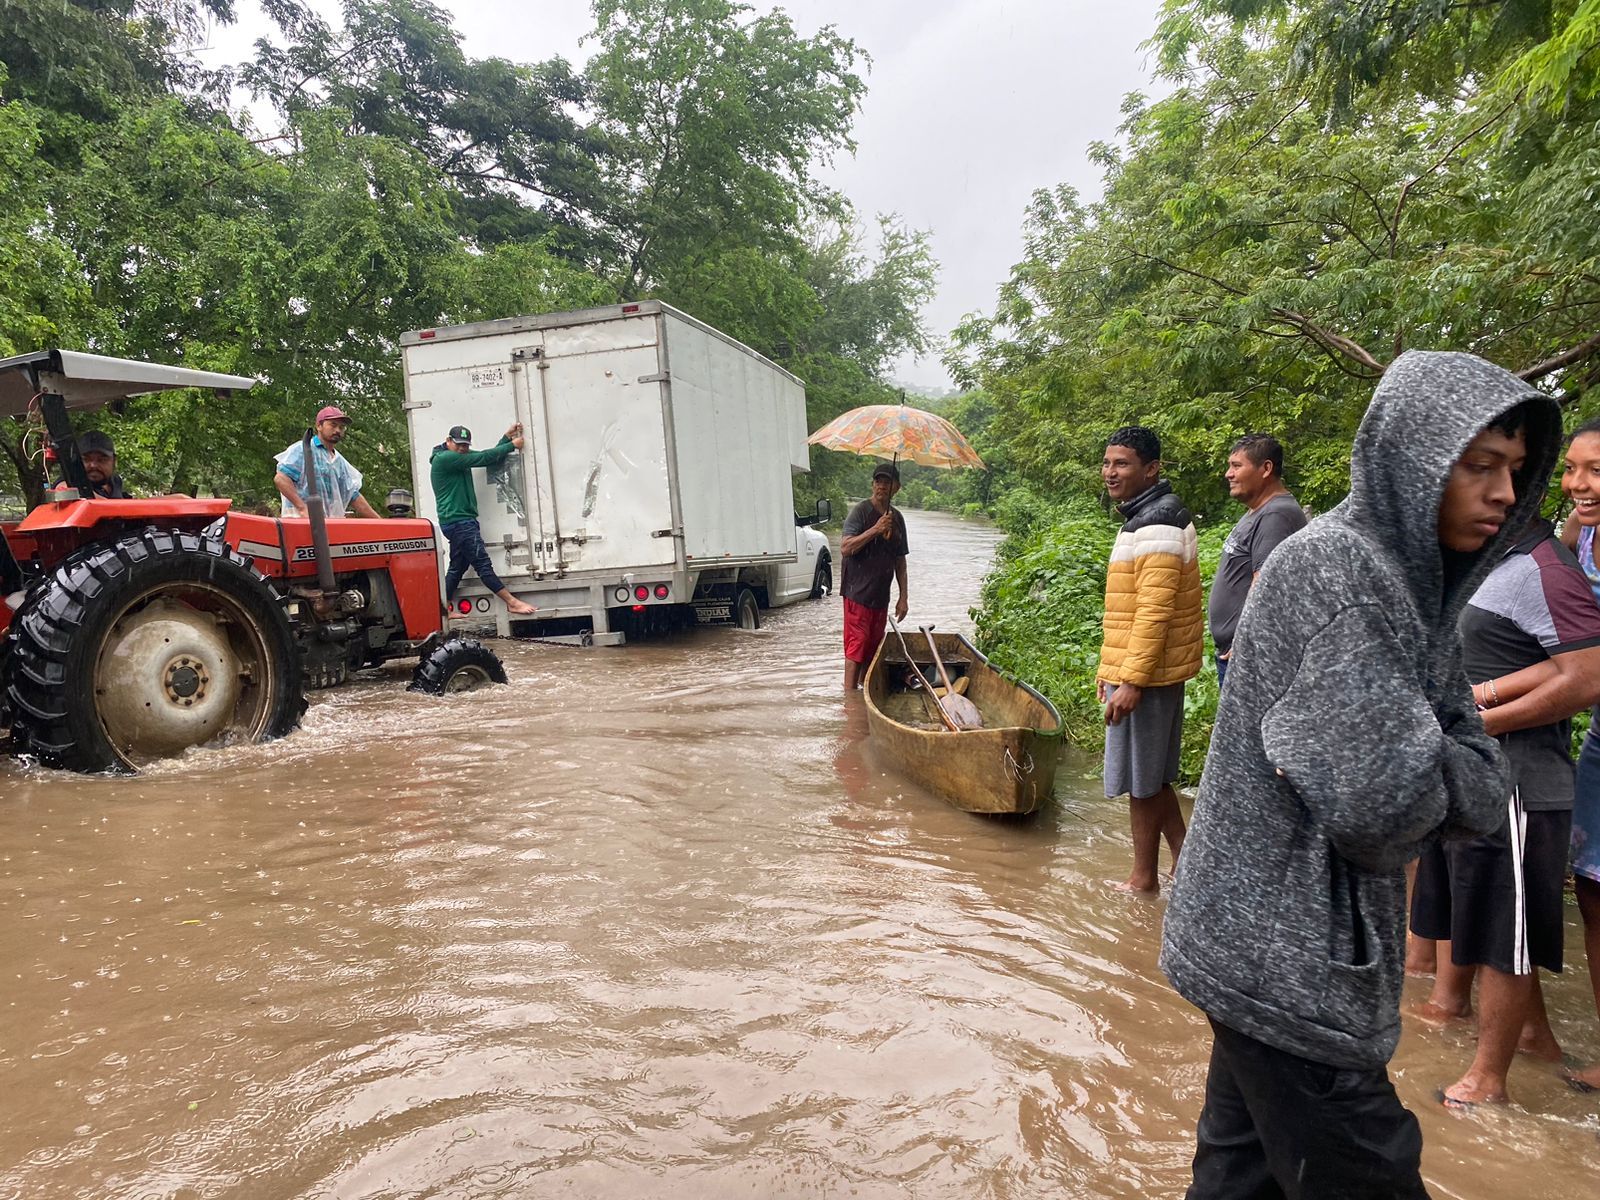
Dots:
pixel 646 922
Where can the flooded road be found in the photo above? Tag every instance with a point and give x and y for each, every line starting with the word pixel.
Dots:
pixel 647 922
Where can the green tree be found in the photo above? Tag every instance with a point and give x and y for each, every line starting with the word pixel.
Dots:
pixel 1251 266
pixel 505 135
pixel 717 120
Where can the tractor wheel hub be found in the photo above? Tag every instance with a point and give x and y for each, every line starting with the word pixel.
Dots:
pixel 166 679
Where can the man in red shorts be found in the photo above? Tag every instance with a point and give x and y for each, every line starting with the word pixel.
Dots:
pixel 874 550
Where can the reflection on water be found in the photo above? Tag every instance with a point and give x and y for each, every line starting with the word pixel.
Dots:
pixel 652 921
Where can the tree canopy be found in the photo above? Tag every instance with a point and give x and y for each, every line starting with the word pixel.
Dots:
pixel 405 184
pixel 1288 220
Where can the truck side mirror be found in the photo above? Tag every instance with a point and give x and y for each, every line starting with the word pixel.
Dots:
pixel 824 510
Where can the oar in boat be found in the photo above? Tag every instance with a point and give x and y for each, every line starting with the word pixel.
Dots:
pixel 962 711
pixel 927 688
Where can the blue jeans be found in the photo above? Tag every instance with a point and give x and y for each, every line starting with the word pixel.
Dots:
pixel 467 550
pixel 1222 670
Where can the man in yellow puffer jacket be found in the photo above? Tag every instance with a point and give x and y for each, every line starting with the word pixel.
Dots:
pixel 1152 645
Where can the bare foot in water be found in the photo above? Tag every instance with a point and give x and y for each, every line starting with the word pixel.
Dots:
pixel 1539 1043
pixel 1586 1080
pixel 1434 1014
pixel 1136 887
pixel 1469 1092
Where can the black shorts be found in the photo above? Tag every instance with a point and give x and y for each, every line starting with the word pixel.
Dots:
pixel 1498 898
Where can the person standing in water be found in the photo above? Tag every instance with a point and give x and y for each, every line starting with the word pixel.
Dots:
pixel 1580 480
pixel 1151 646
pixel 873 546
pixel 1346 743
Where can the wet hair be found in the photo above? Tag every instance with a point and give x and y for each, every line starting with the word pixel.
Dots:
pixel 1590 426
pixel 1260 448
pixel 1512 421
pixel 1142 441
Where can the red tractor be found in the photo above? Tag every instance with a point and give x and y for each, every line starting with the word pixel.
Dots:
pixel 131 630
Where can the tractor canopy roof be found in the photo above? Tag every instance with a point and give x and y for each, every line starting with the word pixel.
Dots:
pixel 89 381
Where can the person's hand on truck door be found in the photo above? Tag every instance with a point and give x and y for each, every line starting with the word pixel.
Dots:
pixel 515 434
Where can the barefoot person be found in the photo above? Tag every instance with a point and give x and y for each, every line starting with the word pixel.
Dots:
pixel 1580 480
pixel 450 469
pixel 1152 645
pixel 1346 742
pixel 873 546
pixel 1495 903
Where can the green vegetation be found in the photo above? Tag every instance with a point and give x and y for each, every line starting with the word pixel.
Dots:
pixel 1042 607
pixel 1325 184
pixel 1292 217
pixel 405 185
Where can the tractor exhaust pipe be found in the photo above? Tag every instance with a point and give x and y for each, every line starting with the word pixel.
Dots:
pixel 318 516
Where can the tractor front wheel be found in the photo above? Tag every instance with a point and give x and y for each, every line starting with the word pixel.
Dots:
pixel 459 665
pixel 137 649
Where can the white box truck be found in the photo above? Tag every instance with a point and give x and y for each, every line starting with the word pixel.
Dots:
pixel 653 488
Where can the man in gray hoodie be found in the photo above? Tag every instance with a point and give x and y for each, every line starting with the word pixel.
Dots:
pixel 1346 743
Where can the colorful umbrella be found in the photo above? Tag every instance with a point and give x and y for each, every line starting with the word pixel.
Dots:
pixel 894 431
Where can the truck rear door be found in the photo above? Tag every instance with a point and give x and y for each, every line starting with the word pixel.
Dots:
pixel 471 382
pixel 597 447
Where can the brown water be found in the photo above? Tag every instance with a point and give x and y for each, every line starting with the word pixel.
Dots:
pixel 647 922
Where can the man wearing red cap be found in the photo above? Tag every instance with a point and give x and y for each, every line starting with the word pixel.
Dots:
pixel 338 483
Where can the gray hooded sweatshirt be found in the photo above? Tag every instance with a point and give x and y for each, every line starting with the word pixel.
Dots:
pixel 1346 739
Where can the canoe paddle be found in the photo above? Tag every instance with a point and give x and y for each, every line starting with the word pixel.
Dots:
pixel 962 711
pixel 927 688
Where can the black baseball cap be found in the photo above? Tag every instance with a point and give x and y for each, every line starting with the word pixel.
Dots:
pixel 886 471
pixel 95 442
pixel 460 433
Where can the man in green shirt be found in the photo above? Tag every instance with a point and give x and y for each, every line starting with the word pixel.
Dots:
pixel 456 495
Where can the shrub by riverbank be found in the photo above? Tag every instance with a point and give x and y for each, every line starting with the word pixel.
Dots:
pixel 1041 614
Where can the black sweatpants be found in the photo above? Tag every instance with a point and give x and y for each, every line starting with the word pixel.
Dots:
pixel 1279 1126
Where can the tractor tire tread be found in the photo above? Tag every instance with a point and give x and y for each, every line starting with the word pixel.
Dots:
pixel 433 672
pixel 55 615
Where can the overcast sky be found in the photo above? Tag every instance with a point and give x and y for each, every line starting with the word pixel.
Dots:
pixel 972 104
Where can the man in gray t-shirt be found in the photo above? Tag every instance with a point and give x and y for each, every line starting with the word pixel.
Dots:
pixel 1255 479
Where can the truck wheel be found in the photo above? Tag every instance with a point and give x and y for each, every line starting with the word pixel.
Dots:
pixel 137 649
pixel 746 611
pixel 822 581
pixel 459 665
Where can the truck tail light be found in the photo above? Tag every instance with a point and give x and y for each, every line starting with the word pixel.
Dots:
pixel 641 592
pixel 661 591
pixel 630 308
pixel 638 608
pixel 463 606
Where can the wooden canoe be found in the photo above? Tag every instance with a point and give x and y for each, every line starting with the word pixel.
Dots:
pixel 1008 766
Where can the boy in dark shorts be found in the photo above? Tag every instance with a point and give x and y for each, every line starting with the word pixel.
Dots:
pixel 1495 902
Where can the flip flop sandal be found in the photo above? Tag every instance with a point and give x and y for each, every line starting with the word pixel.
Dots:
pixel 1581 1086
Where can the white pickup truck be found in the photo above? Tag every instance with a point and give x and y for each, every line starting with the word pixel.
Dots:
pixel 654 486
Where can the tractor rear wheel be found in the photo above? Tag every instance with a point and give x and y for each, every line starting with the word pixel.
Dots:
pixel 459 665
pixel 137 649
